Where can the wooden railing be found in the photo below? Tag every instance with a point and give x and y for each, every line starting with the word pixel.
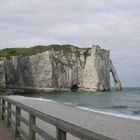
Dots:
pixel 62 127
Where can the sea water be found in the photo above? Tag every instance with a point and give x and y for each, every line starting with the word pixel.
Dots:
pixel 124 103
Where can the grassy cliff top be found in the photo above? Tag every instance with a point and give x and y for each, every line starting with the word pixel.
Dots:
pixel 8 52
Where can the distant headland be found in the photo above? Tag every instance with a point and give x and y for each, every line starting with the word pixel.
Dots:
pixel 57 67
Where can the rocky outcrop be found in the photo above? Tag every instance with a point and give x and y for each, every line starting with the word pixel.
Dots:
pixel 2 75
pixel 115 77
pixel 84 68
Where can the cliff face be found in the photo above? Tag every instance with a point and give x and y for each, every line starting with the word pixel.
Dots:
pixel 87 69
pixel 2 75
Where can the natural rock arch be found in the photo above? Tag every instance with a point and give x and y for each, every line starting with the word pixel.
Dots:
pixel 115 77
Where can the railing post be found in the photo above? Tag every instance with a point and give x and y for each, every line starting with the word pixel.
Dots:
pixel 0 107
pixel 8 114
pixel 60 134
pixel 32 121
pixel 3 110
pixel 17 122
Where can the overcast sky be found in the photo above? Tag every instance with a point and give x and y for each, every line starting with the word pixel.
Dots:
pixel 113 24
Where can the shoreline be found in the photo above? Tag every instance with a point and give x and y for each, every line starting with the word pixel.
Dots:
pixel 49 90
pixel 120 115
pixel 107 125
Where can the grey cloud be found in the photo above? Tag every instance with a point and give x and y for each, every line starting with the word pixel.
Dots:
pixel 115 25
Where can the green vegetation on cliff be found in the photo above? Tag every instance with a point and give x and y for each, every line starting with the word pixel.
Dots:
pixel 65 49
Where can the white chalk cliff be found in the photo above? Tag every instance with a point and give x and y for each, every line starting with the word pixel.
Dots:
pixel 88 69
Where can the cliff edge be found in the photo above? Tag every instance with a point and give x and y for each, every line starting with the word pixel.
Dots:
pixel 57 67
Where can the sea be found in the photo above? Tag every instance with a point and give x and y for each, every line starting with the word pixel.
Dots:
pixel 125 103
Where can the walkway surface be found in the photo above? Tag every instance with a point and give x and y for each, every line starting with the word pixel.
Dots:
pixel 5 134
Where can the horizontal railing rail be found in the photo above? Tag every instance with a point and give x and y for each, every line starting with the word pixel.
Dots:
pixel 62 127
